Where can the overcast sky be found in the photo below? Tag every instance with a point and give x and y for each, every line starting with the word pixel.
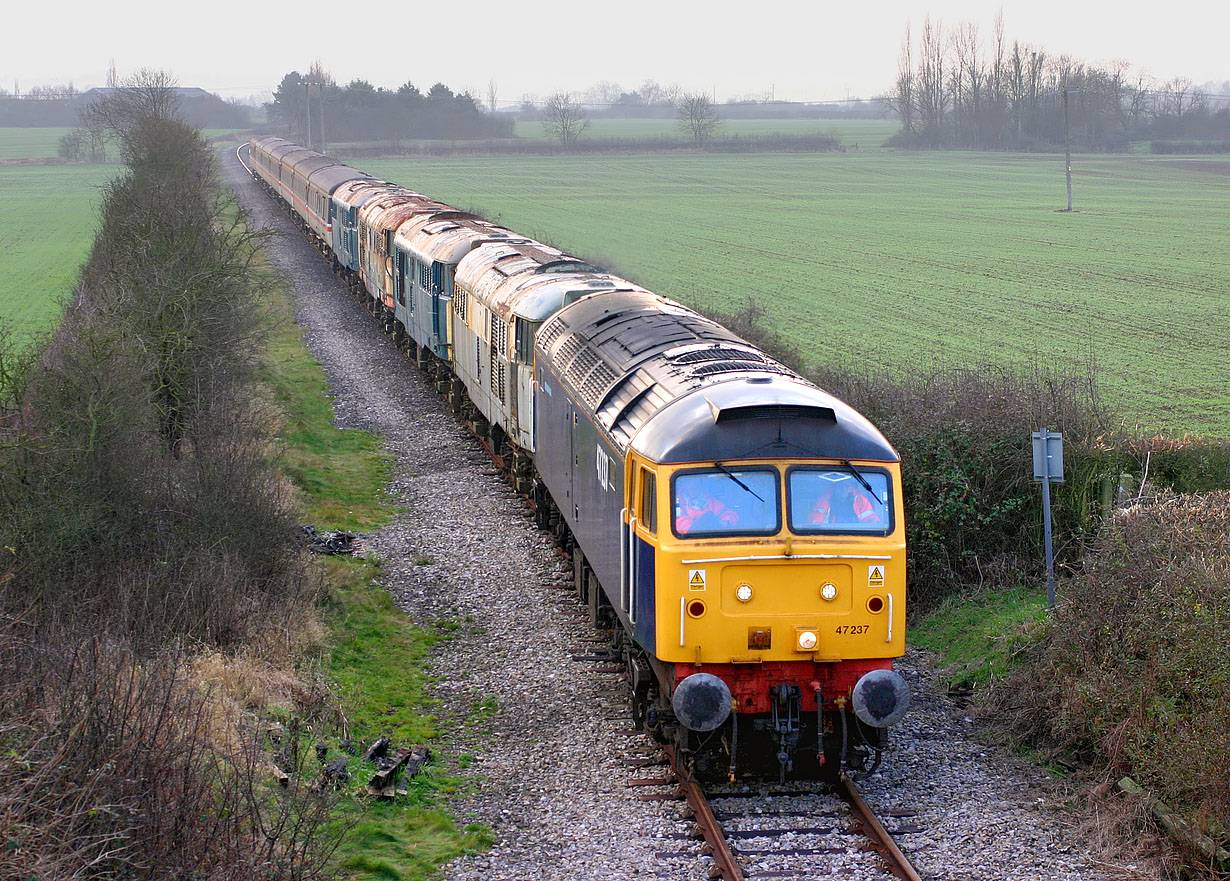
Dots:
pixel 800 51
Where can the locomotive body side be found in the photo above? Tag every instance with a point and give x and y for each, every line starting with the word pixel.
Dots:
pixel 431 247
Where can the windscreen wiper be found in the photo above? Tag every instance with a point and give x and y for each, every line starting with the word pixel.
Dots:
pixel 862 480
pixel 720 467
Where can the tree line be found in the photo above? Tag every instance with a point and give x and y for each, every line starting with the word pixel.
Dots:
pixel 952 92
pixel 315 104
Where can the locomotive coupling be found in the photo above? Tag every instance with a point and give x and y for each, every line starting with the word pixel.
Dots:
pixel 701 702
pixel 881 698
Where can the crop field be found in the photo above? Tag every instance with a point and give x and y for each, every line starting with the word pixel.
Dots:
pixel 47 223
pixel 867 134
pixel 890 261
pixel 30 143
pixel 44 143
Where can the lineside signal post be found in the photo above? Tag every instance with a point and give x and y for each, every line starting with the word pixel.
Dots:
pixel 1048 467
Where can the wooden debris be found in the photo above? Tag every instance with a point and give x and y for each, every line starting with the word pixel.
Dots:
pixel 384 783
pixel 1179 827
pixel 377 749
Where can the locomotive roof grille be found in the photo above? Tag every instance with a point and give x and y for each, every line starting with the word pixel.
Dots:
pixel 718 353
pixel 714 368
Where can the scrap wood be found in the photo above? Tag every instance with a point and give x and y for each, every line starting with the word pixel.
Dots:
pixel 384 783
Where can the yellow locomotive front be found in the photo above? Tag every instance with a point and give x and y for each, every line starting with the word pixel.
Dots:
pixel 778 572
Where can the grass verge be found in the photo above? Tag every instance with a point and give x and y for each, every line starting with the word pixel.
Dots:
pixel 979 637
pixel 375 659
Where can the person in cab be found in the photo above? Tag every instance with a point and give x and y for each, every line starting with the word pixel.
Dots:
pixel 700 511
pixel 844 504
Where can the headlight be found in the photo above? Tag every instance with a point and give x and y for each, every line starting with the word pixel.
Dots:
pixel 828 591
pixel 807 640
pixel 743 592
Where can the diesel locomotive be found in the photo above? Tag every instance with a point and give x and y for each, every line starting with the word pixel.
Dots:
pixel 740 530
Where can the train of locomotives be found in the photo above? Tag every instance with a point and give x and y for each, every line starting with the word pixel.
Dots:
pixel 740 529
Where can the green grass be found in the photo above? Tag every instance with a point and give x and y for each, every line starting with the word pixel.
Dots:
pixel 978 637
pixel 340 473
pixel 868 134
pixel 30 143
pixel 44 143
pixel 376 657
pixel 47 222
pixel 891 261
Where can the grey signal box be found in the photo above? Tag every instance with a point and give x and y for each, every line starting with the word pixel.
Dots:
pixel 1048 456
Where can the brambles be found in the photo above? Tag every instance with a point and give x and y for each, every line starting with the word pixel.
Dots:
pixel 1133 674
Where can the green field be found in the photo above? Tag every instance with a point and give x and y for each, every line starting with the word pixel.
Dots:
pixel 44 143
pixel 867 134
pixel 881 259
pixel 891 260
pixel 47 223
pixel 30 143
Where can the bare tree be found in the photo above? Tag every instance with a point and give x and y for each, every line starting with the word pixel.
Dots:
pixel 603 92
pixel 931 92
pixel 491 94
pixel 147 94
pixel 564 118
pixel 902 100
pixel 698 118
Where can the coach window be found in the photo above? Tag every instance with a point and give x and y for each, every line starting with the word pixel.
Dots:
pixel 648 505
pixel 525 341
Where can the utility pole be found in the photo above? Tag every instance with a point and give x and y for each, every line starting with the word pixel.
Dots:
pixel 307 111
pixel 320 92
pixel 1067 148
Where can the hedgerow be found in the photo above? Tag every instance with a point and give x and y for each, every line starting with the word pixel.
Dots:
pixel 1133 673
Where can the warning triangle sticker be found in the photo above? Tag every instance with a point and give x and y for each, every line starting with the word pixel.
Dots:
pixel 697 578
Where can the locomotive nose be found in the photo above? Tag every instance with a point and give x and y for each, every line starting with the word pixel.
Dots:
pixel 881 698
pixel 701 702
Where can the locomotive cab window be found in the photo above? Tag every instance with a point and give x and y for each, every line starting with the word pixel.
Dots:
pixel 647 505
pixel 725 501
pixel 838 500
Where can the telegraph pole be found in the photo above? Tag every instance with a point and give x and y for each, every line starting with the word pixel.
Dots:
pixel 320 91
pixel 1067 148
pixel 307 111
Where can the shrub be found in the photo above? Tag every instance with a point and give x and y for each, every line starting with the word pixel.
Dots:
pixel 972 508
pixel 1133 673
pixel 111 770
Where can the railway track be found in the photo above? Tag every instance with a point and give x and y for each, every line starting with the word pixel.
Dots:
pixel 797 831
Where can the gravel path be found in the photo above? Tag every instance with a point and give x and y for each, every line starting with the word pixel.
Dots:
pixel 544 730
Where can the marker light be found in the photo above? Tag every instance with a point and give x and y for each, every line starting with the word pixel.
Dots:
pixel 828 591
pixel 807 640
pixel 743 593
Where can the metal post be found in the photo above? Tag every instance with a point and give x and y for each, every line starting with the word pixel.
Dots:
pixel 1067 147
pixel 320 90
pixel 1048 467
pixel 307 111
pixel 1046 535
